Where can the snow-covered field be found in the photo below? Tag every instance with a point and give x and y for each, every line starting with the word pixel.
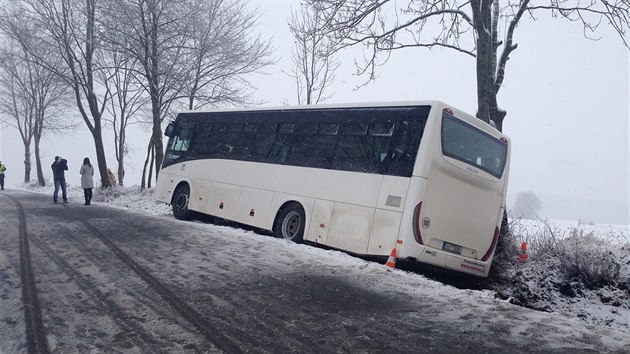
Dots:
pixel 529 230
pixel 601 300
pixel 579 270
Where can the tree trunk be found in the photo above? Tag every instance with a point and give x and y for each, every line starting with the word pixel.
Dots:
pixel 27 163
pixel 100 156
pixel 156 99
pixel 38 163
pixel 487 105
pixel 157 147
pixel 38 160
pixel 121 173
pixel 150 179
pixel 143 184
pixel 121 154
pixel 482 23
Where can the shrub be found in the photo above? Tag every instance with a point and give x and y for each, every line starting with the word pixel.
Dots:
pixel 582 257
pixel 569 271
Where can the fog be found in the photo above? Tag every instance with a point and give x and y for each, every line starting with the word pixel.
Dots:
pixel 566 97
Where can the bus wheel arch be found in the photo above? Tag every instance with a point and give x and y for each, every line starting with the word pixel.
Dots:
pixel 290 222
pixel 181 201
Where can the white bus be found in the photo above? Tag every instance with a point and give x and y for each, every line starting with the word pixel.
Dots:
pixel 423 178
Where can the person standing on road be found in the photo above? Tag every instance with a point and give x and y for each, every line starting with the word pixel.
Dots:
pixel 87 180
pixel 59 167
pixel 2 169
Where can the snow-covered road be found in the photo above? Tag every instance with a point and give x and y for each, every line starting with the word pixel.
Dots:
pixel 109 280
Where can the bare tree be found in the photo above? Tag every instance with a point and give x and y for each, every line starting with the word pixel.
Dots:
pixel 313 68
pixel 127 100
pixel 194 50
pixel 527 205
pixel 32 99
pixel 222 51
pixel 470 27
pixel 70 27
pixel 16 105
pixel 154 32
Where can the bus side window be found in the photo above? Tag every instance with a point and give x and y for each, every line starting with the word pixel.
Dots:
pixel 404 144
pixel 178 144
pixel 282 145
pixel 380 136
pixel 232 147
pixel 324 145
pixel 351 153
pixel 406 139
pixel 263 141
pixel 222 140
pixel 181 141
pixel 245 142
pixel 202 141
pixel 216 140
pixel 301 144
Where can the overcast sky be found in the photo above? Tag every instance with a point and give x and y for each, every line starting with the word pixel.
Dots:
pixel 567 100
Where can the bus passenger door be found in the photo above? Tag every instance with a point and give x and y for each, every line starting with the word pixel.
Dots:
pixel 320 222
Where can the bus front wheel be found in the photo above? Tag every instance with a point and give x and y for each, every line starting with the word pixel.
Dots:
pixel 290 223
pixel 181 198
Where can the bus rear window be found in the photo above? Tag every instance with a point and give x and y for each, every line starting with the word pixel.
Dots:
pixel 468 144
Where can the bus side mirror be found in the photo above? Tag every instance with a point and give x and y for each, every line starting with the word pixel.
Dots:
pixel 169 129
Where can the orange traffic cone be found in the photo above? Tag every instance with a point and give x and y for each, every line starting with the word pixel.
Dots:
pixel 391 261
pixel 523 256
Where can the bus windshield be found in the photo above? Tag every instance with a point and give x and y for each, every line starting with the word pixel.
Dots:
pixel 468 144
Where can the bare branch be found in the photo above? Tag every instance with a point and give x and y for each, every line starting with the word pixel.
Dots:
pixel 314 66
pixel 509 46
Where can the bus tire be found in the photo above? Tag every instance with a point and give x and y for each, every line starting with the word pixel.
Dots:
pixel 290 223
pixel 181 199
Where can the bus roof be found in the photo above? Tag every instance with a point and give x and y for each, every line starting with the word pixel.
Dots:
pixel 320 106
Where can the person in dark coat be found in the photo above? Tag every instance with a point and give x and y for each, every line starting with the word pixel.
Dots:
pixel 59 167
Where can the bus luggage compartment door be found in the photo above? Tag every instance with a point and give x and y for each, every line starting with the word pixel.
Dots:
pixel 223 200
pixel 351 227
pixel 320 221
pixel 254 206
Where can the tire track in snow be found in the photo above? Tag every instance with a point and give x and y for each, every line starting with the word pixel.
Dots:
pixel 210 332
pixel 116 313
pixel 35 331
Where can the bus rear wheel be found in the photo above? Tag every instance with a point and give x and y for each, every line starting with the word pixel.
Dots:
pixel 290 223
pixel 181 198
